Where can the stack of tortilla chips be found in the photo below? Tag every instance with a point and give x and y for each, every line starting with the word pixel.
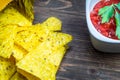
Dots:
pixel 27 51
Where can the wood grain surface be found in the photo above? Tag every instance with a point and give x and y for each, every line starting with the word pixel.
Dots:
pixel 82 61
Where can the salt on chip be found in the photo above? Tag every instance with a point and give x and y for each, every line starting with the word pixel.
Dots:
pixel 52 23
pixel 17 76
pixel 43 62
pixel 7 68
pixel 7 35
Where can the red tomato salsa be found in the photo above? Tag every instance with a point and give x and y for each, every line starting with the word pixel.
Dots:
pixel 106 29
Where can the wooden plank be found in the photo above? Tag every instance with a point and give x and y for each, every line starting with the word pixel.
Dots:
pixel 82 61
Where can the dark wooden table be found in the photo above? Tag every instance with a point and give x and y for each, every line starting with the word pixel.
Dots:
pixel 82 61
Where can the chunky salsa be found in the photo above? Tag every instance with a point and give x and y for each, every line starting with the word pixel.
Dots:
pixel 106 29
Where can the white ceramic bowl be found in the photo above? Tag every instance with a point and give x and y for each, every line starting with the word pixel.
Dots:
pixel 99 41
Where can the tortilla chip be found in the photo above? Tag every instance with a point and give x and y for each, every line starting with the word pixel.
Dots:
pixel 44 61
pixel 7 68
pixel 18 76
pixel 7 35
pixel 27 39
pixel 57 39
pixel 25 7
pixel 30 37
pixel 12 16
pixel 52 23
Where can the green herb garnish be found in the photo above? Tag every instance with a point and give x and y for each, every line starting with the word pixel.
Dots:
pixel 117 19
pixel 108 12
pixel 118 6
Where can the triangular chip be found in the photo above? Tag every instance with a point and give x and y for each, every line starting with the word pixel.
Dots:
pixel 29 38
pixel 57 39
pixel 7 35
pixel 11 16
pixel 25 7
pixel 52 23
pixel 44 61
pixel 7 68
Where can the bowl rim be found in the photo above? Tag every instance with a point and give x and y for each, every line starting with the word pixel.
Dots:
pixel 91 27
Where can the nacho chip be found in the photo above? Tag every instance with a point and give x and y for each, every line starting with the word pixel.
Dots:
pixel 7 68
pixel 7 35
pixel 25 7
pixel 44 61
pixel 30 37
pixel 57 39
pixel 18 76
pixel 27 39
pixel 52 23
pixel 12 16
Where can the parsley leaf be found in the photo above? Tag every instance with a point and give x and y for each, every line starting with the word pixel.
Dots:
pixel 117 20
pixel 106 13
pixel 118 6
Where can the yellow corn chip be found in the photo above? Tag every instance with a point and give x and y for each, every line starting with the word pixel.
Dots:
pixel 44 63
pixel 12 16
pixel 7 35
pixel 7 68
pixel 30 37
pixel 52 23
pixel 25 7
pixel 27 39
pixel 57 39
pixel 45 54
pixel 18 76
